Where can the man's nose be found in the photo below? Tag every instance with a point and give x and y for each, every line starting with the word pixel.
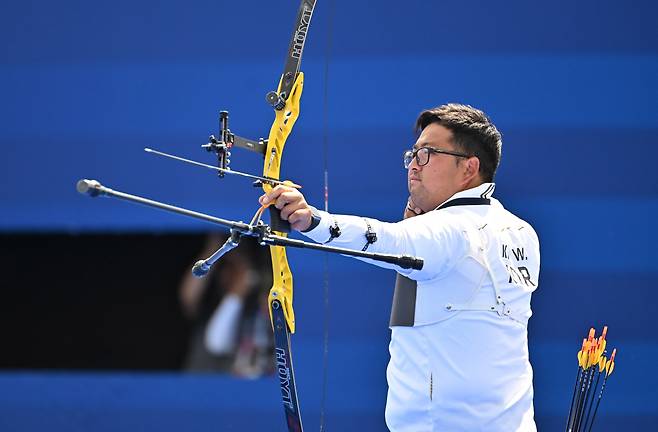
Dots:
pixel 413 165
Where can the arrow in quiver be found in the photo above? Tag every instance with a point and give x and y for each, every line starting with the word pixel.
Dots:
pixel 592 365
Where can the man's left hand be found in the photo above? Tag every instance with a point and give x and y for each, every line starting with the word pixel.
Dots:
pixel 292 204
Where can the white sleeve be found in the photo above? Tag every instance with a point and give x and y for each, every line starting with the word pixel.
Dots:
pixel 435 237
pixel 222 328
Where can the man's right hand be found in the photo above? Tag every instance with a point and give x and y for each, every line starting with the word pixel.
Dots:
pixel 292 204
pixel 411 210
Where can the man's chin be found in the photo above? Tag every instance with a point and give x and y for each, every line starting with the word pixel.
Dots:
pixel 417 192
pixel 415 198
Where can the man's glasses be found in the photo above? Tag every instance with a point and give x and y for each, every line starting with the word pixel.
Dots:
pixel 422 155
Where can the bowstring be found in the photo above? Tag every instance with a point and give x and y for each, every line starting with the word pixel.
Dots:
pixel 325 144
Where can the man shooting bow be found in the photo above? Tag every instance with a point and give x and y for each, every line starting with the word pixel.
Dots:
pixel 459 349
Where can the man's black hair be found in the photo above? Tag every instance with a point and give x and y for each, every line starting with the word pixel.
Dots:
pixel 473 133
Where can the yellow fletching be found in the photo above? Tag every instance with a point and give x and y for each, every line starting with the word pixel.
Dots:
pixel 602 362
pixel 612 367
pixel 591 353
pixel 611 363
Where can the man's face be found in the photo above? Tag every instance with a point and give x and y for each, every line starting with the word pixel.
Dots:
pixel 432 184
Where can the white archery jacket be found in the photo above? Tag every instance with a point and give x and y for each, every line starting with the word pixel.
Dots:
pixel 459 355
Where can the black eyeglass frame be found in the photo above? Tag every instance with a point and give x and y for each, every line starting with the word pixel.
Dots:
pixel 410 155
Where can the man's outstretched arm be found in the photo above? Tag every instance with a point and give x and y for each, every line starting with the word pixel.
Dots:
pixel 430 236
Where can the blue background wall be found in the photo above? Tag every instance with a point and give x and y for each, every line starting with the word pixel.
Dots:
pixel 85 86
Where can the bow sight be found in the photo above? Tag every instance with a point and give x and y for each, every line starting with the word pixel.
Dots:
pixel 227 139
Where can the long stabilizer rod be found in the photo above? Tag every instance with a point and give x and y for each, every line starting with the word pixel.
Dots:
pixel 94 188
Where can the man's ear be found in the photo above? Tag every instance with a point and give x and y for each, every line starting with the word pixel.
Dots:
pixel 472 168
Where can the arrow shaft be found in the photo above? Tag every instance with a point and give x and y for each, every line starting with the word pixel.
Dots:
pixel 225 171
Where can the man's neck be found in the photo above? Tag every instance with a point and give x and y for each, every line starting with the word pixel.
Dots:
pixel 475 182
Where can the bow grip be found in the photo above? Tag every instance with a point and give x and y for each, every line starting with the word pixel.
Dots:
pixel 276 223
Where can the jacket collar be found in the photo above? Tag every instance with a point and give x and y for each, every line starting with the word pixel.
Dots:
pixel 479 195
